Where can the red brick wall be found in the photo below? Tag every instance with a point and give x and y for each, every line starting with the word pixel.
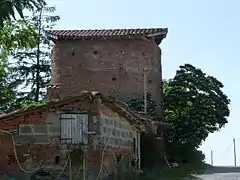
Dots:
pixel 38 153
pixel 111 67
pixel 46 153
pixel 106 160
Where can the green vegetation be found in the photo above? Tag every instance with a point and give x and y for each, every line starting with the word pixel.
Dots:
pixel 7 93
pixel 8 8
pixel 32 105
pixel 16 35
pixel 25 56
pixel 31 66
pixel 195 106
pixel 194 102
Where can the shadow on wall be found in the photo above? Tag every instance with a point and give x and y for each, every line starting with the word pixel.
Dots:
pixel 151 151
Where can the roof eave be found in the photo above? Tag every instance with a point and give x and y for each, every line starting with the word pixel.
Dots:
pixel 159 36
pixel 51 36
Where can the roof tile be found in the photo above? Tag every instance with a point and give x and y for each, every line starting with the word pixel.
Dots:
pixel 107 33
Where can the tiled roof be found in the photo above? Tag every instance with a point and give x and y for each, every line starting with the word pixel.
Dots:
pixel 107 33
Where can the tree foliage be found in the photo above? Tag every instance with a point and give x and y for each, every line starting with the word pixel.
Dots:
pixel 138 105
pixel 8 8
pixel 31 69
pixel 16 35
pixel 195 105
pixel 7 90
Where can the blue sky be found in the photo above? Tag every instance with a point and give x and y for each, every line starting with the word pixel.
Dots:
pixel 204 33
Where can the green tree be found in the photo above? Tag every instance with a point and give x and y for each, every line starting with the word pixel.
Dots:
pixel 195 105
pixel 31 69
pixel 7 93
pixel 16 35
pixel 9 7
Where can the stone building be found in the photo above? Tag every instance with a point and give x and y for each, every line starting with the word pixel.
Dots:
pixel 108 61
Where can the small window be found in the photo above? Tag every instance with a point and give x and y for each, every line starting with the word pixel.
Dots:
pixel 114 79
pixel 57 160
pixel 149 81
pixel 123 134
pixel 95 52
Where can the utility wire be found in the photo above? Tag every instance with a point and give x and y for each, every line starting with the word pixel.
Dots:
pixel 226 150
pixel 223 154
